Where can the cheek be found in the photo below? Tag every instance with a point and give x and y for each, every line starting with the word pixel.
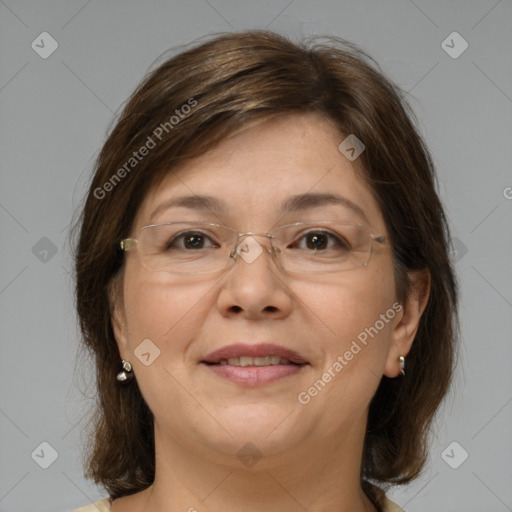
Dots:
pixel 358 316
pixel 164 309
pixel 354 354
pixel 350 302
pixel 169 313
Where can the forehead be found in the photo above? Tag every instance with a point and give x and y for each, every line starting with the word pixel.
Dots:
pixel 254 172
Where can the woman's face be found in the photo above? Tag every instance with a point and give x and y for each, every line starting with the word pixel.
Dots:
pixel 342 324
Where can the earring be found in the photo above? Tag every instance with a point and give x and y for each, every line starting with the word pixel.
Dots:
pixel 126 374
pixel 401 359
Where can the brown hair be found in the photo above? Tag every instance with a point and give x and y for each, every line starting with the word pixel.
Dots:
pixel 228 81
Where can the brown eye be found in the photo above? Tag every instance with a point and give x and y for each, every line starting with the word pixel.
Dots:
pixel 191 240
pixel 321 241
pixel 316 241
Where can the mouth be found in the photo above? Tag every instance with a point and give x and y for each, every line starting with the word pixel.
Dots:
pixel 254 361
pixel 253 365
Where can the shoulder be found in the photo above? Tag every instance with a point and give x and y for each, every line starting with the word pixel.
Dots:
pixel 99 506
pixel 390 506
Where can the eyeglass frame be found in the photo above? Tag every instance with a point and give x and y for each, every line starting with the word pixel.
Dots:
pixel 127 244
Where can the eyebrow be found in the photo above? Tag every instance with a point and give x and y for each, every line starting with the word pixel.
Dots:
pixel 306 201
pixel 201 203
pixel 309 201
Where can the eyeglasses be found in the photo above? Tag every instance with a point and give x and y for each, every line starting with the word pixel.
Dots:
pixel 201 248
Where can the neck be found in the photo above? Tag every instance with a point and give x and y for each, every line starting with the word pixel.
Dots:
pixel 319 475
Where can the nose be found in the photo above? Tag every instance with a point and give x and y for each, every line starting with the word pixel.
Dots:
pixel 254 287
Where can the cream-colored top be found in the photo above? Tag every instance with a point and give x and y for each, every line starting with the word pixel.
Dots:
pixel 104 506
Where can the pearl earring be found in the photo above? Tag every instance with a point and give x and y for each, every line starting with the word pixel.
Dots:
pixel 126 374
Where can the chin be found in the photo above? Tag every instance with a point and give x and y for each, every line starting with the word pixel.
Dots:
pixel 253 449
pixel 264 425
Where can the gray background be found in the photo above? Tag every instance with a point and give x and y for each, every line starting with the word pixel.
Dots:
pixel 54 116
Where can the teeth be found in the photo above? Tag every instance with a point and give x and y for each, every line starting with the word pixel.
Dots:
pixel 261 361
pixel 255 361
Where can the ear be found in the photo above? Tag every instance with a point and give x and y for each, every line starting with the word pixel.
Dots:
pixel 117 315
pixel 408 320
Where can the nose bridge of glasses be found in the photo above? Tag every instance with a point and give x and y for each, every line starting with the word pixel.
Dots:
pixel 249 248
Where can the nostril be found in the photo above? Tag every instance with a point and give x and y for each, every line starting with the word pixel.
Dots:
pixel 271 309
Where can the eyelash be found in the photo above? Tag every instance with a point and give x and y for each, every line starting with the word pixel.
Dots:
pixel 339 240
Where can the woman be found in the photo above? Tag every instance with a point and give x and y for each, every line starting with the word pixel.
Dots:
pixel 263 263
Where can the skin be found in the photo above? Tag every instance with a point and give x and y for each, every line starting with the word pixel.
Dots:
pixel 311 454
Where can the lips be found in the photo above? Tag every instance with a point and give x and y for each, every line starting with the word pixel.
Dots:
pixel 263 354
pixel 254 365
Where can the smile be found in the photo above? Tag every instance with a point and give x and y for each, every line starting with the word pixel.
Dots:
pixel 254 365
